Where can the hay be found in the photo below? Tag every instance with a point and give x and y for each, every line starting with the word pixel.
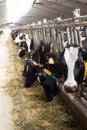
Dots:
pixel 31 111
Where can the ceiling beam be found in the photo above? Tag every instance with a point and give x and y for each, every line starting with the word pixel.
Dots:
pixel 53 10
pixel 42 12
pixel 74 4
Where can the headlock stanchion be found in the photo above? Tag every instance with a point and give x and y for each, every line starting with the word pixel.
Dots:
pixel 54 30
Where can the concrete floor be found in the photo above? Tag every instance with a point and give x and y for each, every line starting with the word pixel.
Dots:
pixel 6 104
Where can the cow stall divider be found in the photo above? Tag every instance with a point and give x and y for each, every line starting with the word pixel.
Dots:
pixel 62 32
pixel 59 33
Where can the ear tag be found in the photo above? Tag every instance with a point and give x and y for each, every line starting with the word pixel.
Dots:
pixel 51 61
pixel 51 51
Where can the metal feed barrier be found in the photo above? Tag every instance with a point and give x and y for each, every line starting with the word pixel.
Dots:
pixel 58 31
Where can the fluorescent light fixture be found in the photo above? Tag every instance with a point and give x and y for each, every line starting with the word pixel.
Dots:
pixel 17 8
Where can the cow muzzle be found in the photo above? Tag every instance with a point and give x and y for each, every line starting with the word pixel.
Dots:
pixel 70 89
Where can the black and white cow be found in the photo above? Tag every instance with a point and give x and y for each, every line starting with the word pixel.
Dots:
pixel 69 64
pixel 72 63
pixel 30 72
pixel 50 75
pixel 32 66
pixel 25 44
pixel 19 38
pixel 14 34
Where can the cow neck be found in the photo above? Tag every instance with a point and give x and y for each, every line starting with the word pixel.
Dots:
pixel 33 62
pixel 48 71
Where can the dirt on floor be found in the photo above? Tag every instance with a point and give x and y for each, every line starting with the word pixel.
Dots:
pixel 27 111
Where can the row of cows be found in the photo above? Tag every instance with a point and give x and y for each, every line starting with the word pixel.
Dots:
pixel 68 66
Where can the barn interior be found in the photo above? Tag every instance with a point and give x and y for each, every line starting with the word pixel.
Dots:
pixel 60 22
pixel 17 13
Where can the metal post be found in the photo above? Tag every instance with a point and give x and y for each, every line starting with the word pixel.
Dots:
pixel 72 35
pixel 62 39
pixel 68 35
pixel 79 37
pixel 76 36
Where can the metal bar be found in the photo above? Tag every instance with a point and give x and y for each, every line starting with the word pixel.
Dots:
pixel 72 35
pixel 79 38
pixel 76 36
pixel 75 105
pixel 68 35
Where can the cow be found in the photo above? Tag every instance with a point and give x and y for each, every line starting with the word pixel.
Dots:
pixel 14 34
pixel 34 63
pixel 19 38
pixel 30 72
pixel 51 75
pixel 25 45
pixel 70 65
pixel 73 66
pixel 42 50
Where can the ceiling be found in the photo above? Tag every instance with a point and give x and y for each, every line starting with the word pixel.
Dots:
pixel 49 9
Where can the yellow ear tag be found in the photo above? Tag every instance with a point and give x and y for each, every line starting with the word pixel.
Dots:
pixel 51 51
pixel 51 61
pixel 85 72
pixel 24 39
pixel 35 63
pixel 42 49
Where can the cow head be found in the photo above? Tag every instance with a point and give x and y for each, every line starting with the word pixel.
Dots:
pixel 72 63
pixel 30 72
pixel 19 38
pixel 21 52
pixel 40 54
pixel 44 49
pixel 14 34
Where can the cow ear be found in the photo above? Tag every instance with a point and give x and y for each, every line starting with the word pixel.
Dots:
pixel 62 53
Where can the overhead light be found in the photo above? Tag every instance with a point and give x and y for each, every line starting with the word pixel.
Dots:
pixel 17 8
